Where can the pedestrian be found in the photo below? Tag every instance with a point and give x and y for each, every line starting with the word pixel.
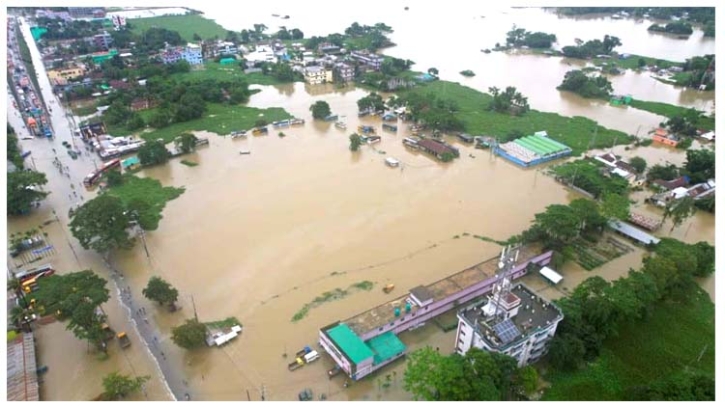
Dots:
pixel 146 320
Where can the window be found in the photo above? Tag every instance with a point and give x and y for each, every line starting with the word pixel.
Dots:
pixel 460 341
pixel 380 329
pixel 392 323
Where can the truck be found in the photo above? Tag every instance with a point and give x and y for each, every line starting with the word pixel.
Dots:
pixel 296 364
pixel 312 356
pixel 123 340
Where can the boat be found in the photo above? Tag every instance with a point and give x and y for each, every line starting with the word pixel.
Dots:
pixel 388 288
pixel 260 130
pixel 245 152
pixel 340 125
pixel 239 134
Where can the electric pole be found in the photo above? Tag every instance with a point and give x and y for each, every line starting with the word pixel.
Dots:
pixel 193 304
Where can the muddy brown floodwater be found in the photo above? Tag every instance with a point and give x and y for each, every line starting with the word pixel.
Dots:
pixel 258 236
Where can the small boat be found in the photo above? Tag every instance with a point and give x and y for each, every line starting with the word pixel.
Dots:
pixel 245 152
pixel 388 288
pixel 340 125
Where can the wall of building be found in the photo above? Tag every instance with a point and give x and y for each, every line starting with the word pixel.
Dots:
pixel 664 140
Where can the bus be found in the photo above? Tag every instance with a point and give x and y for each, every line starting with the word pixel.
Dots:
pixel 93 178
pixel 32 273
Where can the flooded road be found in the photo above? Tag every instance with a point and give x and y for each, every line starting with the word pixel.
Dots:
pixel 259 236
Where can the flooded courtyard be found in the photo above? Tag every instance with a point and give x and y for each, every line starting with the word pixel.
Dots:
pixel 258 236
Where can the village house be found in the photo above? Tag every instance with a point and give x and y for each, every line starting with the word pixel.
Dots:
pixel 621 168
pixel 370 59
pixel 672 184
pixel 142 104
pixel 663 136
pixel 437 148
pixel 328 48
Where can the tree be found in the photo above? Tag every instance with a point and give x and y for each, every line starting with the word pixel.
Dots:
pixel 152 153
pixel 609 43
pixel 160 119
pixel 560 223
pixel 320 109
pixel 679 210
pixel 529 379
pixel 589 87
pixel 24 190
pixel 372 101
pixel 117 386
pixel 641 63
pixel 433 72
pixel 639 164
pixel 700 165
pixel 663 172
pixel 260 123
pixel 566 352
pixel 355 142
pixel 614 206
pixel 101 223
pixel 76 297
pixel 196 37
pixel 186 142
pixel 114 178
pixel 190 335
pixel 297 34
pixel 160 290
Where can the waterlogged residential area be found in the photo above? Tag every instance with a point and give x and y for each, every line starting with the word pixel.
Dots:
pixel 279 204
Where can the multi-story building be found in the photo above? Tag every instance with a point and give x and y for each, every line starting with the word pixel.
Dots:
pixel 191 54
pixel 368 58
pixel 514 321
pixel 103 40
pixel 345 72
pixel 81 12
pixel 366 342
pixel 315 75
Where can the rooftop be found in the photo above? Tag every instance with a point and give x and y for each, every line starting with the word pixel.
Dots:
pixel 534 313
pixel 436 146
pixel 632 232
pixel 349 343
pixel 22 379
pixel 385 313
pixel 385 346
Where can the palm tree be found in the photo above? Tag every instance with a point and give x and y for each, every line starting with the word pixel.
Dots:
pixel 21 318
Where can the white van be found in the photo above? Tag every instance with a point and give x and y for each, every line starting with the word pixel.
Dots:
pixel 312 356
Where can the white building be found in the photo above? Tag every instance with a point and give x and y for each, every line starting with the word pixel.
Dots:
pixel 515 322
pixel 191 54
pixel 315 75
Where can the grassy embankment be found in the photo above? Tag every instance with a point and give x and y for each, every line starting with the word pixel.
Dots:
pixel 669 111
pixel 576 132
pixel 670 341
pixel 633 62
pixel 148 190
pixel 29 68
pixel 186 25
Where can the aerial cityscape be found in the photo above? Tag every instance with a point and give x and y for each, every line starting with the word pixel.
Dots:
pixel 424 201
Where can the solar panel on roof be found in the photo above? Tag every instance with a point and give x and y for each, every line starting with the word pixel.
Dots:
pixel 506 331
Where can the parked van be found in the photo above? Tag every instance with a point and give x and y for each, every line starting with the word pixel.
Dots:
pixel 312 356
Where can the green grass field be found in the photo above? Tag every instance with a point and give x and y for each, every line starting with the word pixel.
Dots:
pixel 575 132
pixel 220 119
pixel 214 70
pixel 669 111
pixel 633 62
pixel 670 341
pixel 186 25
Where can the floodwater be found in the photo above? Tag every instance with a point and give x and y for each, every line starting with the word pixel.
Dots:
pixel 258 236
pixel 451 37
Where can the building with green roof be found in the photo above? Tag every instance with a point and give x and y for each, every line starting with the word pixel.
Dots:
pixel 356 357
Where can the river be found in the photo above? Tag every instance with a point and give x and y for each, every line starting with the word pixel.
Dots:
pixel 258 236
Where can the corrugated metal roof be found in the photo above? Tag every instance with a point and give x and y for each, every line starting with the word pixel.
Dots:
pixel 22 379
pixel 633 232
pixel 350 343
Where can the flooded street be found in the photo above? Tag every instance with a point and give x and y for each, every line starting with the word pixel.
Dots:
pixel 258 236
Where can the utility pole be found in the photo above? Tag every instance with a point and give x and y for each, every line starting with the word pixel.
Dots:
pixel 248 398
pixel 193 304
